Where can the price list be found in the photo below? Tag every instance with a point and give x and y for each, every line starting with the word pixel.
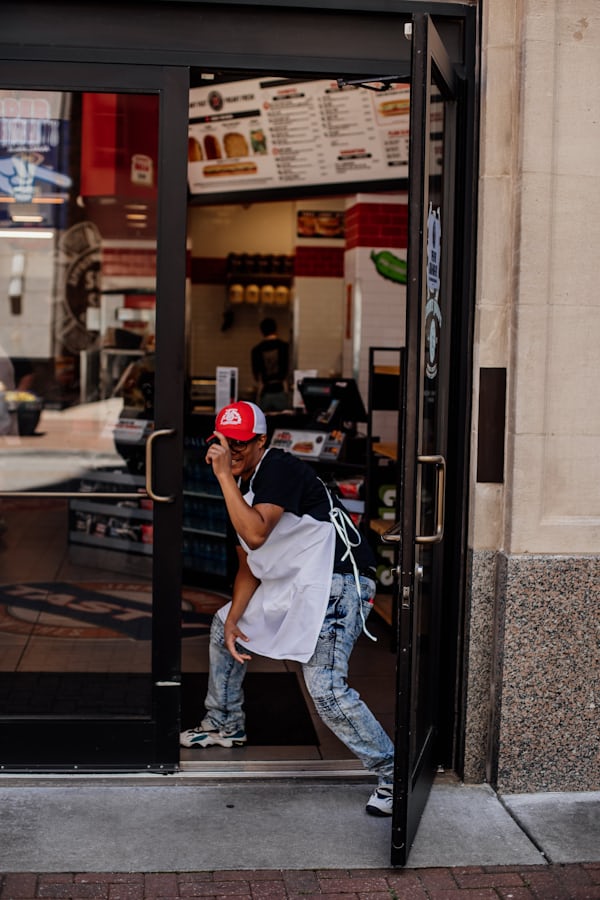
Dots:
pixel 296 144
pixel 283 133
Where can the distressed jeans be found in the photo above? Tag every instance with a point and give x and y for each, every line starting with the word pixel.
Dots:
pixel 325 674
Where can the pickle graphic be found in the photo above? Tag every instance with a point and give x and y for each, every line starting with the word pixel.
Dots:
pixel 389 266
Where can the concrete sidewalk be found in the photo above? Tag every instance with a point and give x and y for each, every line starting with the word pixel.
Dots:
pixel 171 824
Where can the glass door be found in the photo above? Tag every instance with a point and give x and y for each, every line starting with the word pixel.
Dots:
pixel 419 535
pixel 92 262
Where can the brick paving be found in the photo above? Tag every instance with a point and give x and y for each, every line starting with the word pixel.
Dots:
pixel 553 882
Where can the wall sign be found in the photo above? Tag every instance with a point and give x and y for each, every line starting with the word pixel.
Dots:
pixel 32 131
pixel 264 134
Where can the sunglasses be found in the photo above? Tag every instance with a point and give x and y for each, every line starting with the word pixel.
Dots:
pixel 240 445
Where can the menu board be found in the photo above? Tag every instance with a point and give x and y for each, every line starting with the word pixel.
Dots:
pixel 265 134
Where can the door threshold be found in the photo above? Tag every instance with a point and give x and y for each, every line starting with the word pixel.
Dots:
pixel 342 770
pixel 203 773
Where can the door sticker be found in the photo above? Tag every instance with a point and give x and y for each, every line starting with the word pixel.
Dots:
pixel 433 313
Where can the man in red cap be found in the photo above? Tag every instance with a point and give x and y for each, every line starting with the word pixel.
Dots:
pixel 303 590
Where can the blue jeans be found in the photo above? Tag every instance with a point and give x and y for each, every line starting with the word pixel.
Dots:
pixel 325 674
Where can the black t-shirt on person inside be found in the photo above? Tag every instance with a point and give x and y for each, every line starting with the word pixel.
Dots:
pixel 289 482
pixel 270 363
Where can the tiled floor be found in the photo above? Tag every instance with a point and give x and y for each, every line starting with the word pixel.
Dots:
pixel 34 548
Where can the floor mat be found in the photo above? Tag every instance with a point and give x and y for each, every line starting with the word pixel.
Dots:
pixel 276 712
pixel 275 707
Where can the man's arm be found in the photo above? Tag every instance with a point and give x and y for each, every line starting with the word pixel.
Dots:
pixel 244 585
pixel 254 524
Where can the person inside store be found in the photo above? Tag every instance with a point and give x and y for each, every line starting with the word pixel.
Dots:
pixel 270 366
pixel 303 590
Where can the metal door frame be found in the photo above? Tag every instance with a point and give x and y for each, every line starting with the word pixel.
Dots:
pixel 414 776
pixel 347 37
pixel 153 743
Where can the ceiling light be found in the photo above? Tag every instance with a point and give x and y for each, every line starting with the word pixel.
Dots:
pixel 26 217
pixel 50 199
pixel 137 217
pixel 53 198
pixel 25 233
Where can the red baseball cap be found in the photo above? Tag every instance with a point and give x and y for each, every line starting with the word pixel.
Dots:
pixel 241 421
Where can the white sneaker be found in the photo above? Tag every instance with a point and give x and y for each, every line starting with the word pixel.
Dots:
pixel 381 801
pixel 198 737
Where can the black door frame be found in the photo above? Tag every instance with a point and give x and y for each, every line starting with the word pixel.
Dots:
pixel 420 582
pixel 343 37
pixel 142 743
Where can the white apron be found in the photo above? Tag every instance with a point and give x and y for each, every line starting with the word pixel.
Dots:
pixel 294 566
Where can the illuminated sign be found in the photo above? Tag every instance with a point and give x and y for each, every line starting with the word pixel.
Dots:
pixel 32 134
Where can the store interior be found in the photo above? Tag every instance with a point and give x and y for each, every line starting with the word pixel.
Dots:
pixel 295 259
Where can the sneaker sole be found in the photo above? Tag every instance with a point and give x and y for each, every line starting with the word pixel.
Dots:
pixel 375 811
pixel 213 742
pixel 226 742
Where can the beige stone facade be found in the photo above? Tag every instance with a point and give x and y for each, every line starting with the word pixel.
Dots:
pixel 535 539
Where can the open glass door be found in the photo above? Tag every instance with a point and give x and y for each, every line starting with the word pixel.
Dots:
pixel 419 535
pixel 92 249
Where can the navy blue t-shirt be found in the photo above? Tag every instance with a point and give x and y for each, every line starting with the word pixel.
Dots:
pixel 289 482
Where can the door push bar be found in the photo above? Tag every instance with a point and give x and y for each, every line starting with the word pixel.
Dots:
pixel 394 534
pixel 158 498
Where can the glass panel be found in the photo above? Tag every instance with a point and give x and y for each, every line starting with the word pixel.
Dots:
pixel 432 322
pixel 77 265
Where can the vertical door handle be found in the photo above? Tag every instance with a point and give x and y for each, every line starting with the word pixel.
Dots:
pixel 162 432
pixel 440 499
pixel 393 535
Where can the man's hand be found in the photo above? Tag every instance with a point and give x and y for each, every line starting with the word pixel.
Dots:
pixel 233 634
pixel 218 454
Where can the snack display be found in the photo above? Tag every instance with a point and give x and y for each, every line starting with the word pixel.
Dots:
pixel 252 293
pixel 267 294
pixel 281 295
pixel 236 293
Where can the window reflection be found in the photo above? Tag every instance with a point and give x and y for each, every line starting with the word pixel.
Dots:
pixel 77 272
pixel 77 335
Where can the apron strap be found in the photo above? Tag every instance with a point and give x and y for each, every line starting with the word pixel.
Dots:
pixel 347 530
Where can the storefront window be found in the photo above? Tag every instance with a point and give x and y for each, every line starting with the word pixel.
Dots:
pixel 78 188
